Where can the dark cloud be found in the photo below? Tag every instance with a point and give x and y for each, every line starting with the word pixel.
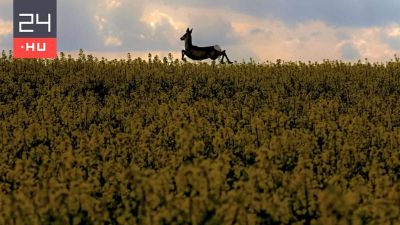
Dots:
pixel 349 52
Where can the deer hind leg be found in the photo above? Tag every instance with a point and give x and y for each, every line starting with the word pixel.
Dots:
pixel 222 57
pixel 222 60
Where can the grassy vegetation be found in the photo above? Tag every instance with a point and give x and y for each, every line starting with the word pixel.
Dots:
pixel 90 141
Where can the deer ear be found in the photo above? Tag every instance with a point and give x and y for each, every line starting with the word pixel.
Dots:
pixel 191 30
pixel 187 30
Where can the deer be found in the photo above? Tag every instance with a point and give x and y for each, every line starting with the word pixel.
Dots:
pixel 201 53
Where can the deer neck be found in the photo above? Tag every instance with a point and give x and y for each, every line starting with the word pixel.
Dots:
pixel 188 42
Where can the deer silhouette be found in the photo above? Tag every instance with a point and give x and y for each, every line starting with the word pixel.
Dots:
pixel 200 53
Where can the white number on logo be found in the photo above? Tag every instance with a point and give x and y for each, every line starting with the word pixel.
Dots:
pixel 31 22
pixel 48 22
pixel 27 23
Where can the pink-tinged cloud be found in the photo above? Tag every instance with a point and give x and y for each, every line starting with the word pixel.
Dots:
pixel 5 27
pixel 269 39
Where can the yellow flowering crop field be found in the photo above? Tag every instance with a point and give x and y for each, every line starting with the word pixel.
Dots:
pixel 160 141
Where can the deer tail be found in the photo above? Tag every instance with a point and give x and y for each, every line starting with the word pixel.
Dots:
pixel 218 48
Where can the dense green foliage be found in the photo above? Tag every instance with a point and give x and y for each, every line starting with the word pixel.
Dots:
pixel 89 141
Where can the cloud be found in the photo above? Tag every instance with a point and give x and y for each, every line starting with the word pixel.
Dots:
pixel 349 52
pixel 77 26
pixel 349 13
pixel 369 43
pixel 112 4
pixel 261 37
pixel 273 39
pixel 112 41
pixel 213 28
pixel 136 27
pixel 352 13
pixel 5 34
pixel 6 9
pixel 5 27
pixel 155 17
pixel 391 36
pixel 315 40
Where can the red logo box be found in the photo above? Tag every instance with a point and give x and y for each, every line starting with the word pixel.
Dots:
pixel 35 47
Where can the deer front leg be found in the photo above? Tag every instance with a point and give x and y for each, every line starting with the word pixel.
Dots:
pixel 224 54
pixel 183 54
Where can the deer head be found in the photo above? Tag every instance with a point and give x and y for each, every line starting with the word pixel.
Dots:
pixel 187 34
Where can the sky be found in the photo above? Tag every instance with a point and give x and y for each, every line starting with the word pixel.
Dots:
pixel 264 30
